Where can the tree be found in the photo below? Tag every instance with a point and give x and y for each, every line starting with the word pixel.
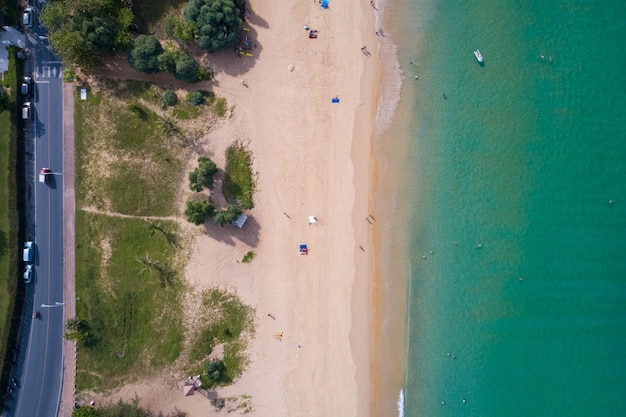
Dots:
pixel 218 23
pixel 167 62
pixel 98 34
pixel 170 98
pixel 84 31
pixel 198 212
pixel 125 18
pixel 143 55
pixel 186 68
pixel 185 30
pixel 215 372
pixel 78 331
pixel 229 215
pixel 203 175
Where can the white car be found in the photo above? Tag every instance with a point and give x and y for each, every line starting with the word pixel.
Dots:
pixel 27 17
pixel 28 273
pixel 44 175
pixel 29 249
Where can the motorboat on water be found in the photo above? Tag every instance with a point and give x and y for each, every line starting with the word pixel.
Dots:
pixel 478 56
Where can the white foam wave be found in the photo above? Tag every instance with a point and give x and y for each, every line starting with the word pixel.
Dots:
pixel 401 404
pixel 391 76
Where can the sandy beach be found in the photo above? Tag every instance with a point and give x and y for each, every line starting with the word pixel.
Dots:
pixel 312 157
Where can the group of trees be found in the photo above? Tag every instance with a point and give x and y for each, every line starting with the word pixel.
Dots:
pixel 200 209
pixel 83 32
pixel 147 55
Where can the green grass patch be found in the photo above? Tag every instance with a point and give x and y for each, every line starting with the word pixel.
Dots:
pixel 238 185
pixel 12 217
pixel 221 107
pixel 129 285
pixel 5 139
pixel 225 320
pixel 187 111
pixel 127 162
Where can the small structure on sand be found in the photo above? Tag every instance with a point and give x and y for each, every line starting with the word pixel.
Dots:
pixel 241 220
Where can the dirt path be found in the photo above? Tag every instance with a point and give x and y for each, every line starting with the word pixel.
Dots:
pixel 128 216
pixel 119 68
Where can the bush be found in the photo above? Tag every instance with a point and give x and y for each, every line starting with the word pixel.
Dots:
pixel 143 55
pixel 186 68
pixel 198 212
pixel 195 97
pixel 203 175
pixel 170 98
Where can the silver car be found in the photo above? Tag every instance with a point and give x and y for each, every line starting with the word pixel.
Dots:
pixel 29 252
pixel 28 273
pixel 27 17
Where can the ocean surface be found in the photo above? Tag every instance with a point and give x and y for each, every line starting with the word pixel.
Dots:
pixel 514 180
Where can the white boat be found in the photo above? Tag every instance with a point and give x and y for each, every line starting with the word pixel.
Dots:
pixel 479 57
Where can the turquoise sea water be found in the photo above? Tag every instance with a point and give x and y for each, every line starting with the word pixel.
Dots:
pixel 521 156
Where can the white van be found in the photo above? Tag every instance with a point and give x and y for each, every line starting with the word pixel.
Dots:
pixel 26 111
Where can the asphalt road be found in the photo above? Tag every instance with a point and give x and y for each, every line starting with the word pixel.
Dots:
pixel 41 375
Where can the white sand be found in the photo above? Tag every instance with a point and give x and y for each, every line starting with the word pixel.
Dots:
pixel 306 153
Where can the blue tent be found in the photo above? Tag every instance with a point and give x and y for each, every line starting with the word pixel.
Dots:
pixel 324 4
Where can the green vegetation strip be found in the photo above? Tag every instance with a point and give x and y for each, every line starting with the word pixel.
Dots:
pixel 238 185
pixel 12 218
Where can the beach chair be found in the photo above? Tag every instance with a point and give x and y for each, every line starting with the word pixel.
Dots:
pixel 304 250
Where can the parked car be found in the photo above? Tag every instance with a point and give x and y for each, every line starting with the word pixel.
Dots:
pixel 27 17
pixel 28 273
pixel 26 110
pixel 29 251
pixel 26 86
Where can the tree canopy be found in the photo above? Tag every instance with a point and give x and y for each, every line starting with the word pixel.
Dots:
pixel 203 175
pixel 197 212
pixel 218 22
pixel 144 54
pixel 232 212
pixel 186 68
pixel 84 31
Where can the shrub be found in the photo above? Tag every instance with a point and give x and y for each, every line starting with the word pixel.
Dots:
pixel 170 98
pixel 215 373
pixel 248 257
pixel 195 97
